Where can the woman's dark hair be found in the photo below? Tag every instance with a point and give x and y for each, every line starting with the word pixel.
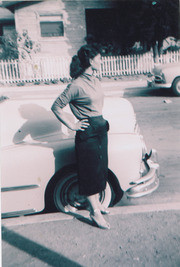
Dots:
pixel 81 61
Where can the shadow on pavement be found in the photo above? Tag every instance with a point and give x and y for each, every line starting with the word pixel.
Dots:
pixel 35 250
pixel 80 218
pixel 144 91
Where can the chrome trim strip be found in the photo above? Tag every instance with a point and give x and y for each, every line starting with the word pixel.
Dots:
pixel 159 85
pixel 17 213
pixel 17 188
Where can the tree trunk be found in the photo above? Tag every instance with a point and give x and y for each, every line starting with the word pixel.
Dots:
pixel 155 52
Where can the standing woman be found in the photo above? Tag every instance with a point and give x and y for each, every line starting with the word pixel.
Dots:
pixel 85 97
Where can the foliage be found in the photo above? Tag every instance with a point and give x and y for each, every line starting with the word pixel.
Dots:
pixel 170 44
pixel 17 45
pixel 8 46
pixel 27 47
pixel 158 20
pixel 135 26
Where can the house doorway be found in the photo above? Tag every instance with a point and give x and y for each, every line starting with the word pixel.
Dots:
pixel 114 28
pixel 102 26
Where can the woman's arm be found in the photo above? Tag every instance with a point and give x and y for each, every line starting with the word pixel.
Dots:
pixel 62 117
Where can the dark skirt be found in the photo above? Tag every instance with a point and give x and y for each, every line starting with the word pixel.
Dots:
pixel 92 156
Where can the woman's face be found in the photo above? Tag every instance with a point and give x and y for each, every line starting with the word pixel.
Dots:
pixel 96 62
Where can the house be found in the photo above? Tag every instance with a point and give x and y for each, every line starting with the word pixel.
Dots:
pixel 59 26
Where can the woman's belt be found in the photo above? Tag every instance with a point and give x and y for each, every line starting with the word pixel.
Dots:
pixel 97 126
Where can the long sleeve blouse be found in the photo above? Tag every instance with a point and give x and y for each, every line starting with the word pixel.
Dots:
pixel 84 96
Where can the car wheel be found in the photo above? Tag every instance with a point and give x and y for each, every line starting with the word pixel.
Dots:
pixel 176 87
pixel 66 197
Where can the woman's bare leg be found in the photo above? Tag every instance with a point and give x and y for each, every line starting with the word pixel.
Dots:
pixel 101 207
pixel 95 214
pixel 93 202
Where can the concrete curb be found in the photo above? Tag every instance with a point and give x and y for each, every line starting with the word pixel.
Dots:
pixel 106 85
pixel 122 210
pixel 34 88
pixel 125 84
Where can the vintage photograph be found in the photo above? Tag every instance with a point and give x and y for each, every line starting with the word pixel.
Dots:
pixel 90 146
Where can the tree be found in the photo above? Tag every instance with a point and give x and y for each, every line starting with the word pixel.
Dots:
pixel 17 45
pixel 9 47
pixel 26 46
pixel 158 20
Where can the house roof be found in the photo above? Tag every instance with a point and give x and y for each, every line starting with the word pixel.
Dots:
pixel 12 5
pixel 9 3
pixel 5 14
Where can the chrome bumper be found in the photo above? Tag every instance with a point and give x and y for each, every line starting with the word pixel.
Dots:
pixel 152 84
pixel 148 183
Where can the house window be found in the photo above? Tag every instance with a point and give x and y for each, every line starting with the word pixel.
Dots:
pixel 51 26
pixel 7 28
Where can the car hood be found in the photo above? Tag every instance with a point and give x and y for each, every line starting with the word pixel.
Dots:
pixel 159 68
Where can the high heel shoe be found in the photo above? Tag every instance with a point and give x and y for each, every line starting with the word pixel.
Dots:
pixel 98 219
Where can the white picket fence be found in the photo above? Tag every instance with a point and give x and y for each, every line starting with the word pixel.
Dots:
pixel 56 68
pixel 39 69
pixel 135 64
pixel 127 65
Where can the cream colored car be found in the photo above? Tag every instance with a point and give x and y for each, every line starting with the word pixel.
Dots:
pixel 38 164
